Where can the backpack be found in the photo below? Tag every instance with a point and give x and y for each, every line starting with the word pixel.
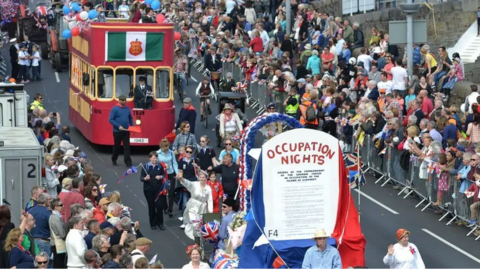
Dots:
pixel 405 160
pixel 311 114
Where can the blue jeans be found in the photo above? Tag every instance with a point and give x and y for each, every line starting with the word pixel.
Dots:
pixel 35 73
pixel 381 63
pixel 184 200
pixel 438 76
pixel 44 246
pixel 23 74
pixel 184 80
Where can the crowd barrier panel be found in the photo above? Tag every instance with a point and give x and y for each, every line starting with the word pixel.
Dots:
pixel 440 191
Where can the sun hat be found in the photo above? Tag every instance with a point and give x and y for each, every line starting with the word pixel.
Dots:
pixel 228 106
pixel 320 233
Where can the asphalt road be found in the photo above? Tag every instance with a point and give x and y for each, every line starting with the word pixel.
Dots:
pixel 382 211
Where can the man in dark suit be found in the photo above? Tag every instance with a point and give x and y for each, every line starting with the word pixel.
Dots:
pixel 149 16
pixel 213 61
pixel 14 57
pixel 372 87
pixel 228 83
pixel 143 94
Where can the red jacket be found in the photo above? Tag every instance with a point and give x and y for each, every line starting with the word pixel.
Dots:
pixel 217 193
pixel 69 198
pixel 474 188
pixel 257 44
pixel 405 120
pixel 99 215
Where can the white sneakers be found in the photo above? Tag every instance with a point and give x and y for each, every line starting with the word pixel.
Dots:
pixel 182 226
pixel 180 218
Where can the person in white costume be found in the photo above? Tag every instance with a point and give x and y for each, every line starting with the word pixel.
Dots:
pixel 199 203
pixel 403 255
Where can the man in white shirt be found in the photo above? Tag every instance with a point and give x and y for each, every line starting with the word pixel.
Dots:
pixel 264 35
pixel 365 58
pixel 230 4
pixel 384 83
pixel 339 46
pixel 75 244
pixel 399 77
pixel 143 246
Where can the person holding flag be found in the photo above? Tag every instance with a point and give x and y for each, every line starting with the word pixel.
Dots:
pixel 121 119
pixel 154 178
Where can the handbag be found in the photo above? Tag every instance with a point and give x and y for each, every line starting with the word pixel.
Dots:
pixel 60 246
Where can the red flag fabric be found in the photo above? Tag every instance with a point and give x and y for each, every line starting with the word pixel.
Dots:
pixel 278 262
pixel 134 129
pixel 347 232
pixel 171 137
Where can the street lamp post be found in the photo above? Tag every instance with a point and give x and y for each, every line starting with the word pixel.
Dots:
pixel 409 9
pixel 289 17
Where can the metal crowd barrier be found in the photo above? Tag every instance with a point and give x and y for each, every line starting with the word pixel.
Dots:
pixel 438 190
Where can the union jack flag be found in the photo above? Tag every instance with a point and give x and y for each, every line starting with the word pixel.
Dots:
pixel 469 194
pixel 197 223
pixel 344 122
pixel 241 87
pixel 356 180
pixel 352 162
pixel 210 231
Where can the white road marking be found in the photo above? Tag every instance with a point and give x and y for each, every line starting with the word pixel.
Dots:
pixel 175 234
pixel 58 77
pixel 193 78
pixel 143 203
pixel 96 153
pixel 134 194
pixel 378 203
pixel 452 246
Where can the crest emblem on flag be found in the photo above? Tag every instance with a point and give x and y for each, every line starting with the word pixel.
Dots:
pixel 135 48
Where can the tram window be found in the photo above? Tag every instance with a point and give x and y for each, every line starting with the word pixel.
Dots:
pixel 105 83
pixel 124 82
pixel 145 72
pixel 162 83
pixel 92 81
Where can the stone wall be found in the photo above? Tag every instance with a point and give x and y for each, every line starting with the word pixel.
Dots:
pixel 452 19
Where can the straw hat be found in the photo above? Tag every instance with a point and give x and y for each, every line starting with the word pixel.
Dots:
pixel 320 233
pixel 228 106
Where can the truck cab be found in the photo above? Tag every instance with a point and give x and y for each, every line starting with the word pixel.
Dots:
pixel 13 105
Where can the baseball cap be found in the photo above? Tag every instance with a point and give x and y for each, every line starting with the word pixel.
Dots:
pixel 104 201
pixel 106 225
pixel 143 241
pixel 66 181
pixel 302 80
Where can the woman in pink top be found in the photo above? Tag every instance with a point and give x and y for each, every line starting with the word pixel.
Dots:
pixel 473 130
pixel 327 59
pixel 388 67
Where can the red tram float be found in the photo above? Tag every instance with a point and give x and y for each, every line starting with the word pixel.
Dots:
pixel 106 61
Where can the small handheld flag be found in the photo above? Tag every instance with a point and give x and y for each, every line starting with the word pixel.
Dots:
pixel 132 170
pixel 102 188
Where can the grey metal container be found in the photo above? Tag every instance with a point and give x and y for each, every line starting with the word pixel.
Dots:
pixel 21 161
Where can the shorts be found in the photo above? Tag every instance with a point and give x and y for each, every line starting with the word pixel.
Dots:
pixel 202 99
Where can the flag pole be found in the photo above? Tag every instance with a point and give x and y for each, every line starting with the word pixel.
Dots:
pixel 359 179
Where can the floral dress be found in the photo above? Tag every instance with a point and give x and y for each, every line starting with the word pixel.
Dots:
pixel 199 203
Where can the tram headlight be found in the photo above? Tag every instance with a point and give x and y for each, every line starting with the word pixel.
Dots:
pixel 138 121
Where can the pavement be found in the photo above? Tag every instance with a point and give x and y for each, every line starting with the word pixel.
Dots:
pixel 382 211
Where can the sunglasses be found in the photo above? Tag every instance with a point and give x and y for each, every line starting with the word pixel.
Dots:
pixel 203 141
pixel 42 262
pixel 188 152
pixel 95 189
pixel 228 144
pixel 60 205
pixel 473 159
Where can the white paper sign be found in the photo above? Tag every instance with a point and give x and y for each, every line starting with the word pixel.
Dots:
pixel 300 184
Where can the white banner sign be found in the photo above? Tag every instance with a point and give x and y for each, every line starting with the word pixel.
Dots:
pixel 300 184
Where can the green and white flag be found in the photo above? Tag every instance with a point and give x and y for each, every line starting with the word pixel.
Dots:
pixel 133 46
